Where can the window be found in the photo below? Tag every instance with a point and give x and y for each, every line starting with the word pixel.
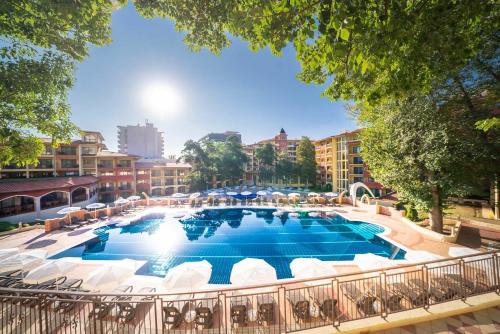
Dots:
pixel 89 173
pixel 69 163
pixel 357 160
pixel 48 150
pixel 358 170
pixel 90 139
pixel 67 150
pixel 71 174
pixel 45 164
pixel 169 172
pixel 106 163
pixel 124 163
pixel 142 172
pixel 125 172
pixel 89 150
pixel 108 173
pixel 358 179
pixel 356 149
pixel 156 173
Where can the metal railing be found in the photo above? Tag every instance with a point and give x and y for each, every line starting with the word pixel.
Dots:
pixel 283 307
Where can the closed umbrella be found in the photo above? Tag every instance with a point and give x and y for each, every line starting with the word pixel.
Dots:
pixel 252 271
pixel 24 261
pixel 194 195
pixel 49 270
pixel 8 252
pixel 188 275
pixel 310 268
pixel 95 206
pixel 110 275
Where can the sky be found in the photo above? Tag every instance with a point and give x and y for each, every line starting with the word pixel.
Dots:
pixel 256 94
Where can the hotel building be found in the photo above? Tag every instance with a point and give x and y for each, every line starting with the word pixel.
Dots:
pixel 141 140
pixel 79 173
pixel 340 164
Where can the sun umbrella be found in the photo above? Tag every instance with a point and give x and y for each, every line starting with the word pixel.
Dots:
pixel 252 271
pixel 108 276
pixel 133 198
pixel 293 195
pixel 49 270
pixel 278 193
pixel 371 261
pixel 178 195
pixel 330 194
pixel 310 268
pixel 8 252
pixel 95 206
pixel 313 194
pixel 213 193
pixel 261 193
pixel 188 275
pixel 24 261
pixel 68 210
pixel 246 193
pixel 121 201
pixel 231 193
pixel 194 195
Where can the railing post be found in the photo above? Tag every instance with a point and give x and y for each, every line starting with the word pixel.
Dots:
pixel 156 299
pixel 281 301
pixel 226 312
pixel 496 274
pixel 40 314
pixel 335 288
pixel 383 294
pixel 425 278
pixel 461 265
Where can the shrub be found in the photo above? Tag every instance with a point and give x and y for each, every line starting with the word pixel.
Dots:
pixel 6 226
pixel 411 213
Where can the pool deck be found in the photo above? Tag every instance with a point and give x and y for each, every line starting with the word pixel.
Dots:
pixel 397 233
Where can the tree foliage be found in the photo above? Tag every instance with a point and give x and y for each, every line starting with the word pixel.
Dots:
pixel 306 161
pixel 266 157
pixel 213 161
pixel 41 40
pixel 427 148
pixel 370 50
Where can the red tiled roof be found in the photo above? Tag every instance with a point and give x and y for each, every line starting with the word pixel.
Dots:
pixel 26 185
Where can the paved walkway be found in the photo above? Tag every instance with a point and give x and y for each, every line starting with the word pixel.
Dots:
pixel 481 322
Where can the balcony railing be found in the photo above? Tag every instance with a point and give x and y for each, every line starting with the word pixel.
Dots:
pixel 283 307
pixel 104 189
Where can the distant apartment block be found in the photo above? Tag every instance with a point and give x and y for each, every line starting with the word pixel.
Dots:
pixel 340 164
pixel 141 140
pixel 222 136
pixel 82 172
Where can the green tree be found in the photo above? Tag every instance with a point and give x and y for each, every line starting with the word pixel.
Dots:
pixel 284 168
pixel 427 148
pixel 202 170
pixel 306 160
pixel 370 50
pixel 266 156
pixel 229 160
pixel 41 40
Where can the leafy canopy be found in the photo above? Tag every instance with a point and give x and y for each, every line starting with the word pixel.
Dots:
pixel 306 161
pixel 40 42
pixel 370 50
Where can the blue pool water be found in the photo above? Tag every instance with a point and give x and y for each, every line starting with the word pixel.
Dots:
pixel 226 236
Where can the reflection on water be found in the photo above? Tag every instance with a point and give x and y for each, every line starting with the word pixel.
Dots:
pixel 226 236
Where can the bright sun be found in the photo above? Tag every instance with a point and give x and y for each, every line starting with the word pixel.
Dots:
pixel 161 98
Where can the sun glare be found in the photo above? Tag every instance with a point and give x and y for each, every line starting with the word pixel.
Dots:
pixel 161 98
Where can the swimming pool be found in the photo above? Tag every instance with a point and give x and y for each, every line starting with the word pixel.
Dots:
pixel 226 236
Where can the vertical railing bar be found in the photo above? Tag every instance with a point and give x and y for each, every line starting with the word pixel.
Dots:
pixel 461 266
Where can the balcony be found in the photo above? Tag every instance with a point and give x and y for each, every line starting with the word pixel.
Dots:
pixel 105 166
pixel 128 187
pixel 70 166
pixel 106 189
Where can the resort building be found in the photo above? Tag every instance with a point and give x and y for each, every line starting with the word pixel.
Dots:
pixel 282 145
pixel 222 136
pixel 161 177
pixel 145 141
pixel 340 164
pixel 79 173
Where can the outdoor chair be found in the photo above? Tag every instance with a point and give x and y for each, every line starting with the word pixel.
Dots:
pixel 239 312
pixel 127 309
pixel 390 298
pixel 325 302
pixel 265 309
pixel 204 314
pixel 104 305
pixel 300 306
pixel 67 302
pixel 437 291
pixel 172 317
pixel 479 284
pixel 363 300
pixel 416 296
pixel 103 216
